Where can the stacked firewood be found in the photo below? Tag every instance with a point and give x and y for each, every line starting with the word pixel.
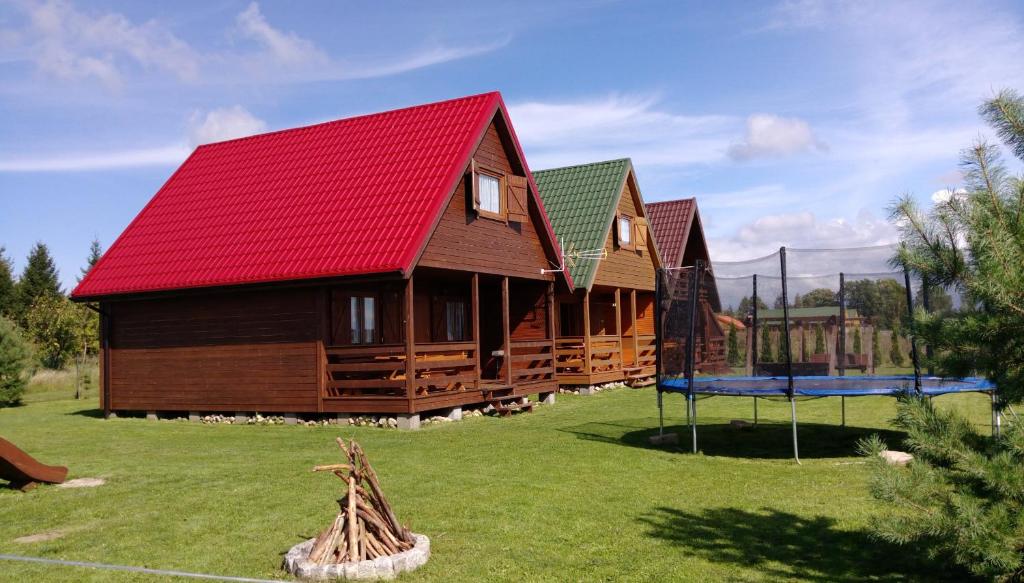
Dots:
pixel 366 527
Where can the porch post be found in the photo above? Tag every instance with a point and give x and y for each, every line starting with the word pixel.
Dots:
pixel 475 307
pixel 506 329
pixel 410 343
pixel 636 331
pixel 618 324
pixel 586 333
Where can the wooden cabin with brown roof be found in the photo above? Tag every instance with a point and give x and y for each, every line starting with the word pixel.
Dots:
pixel 605 330
pixel 387 263
pixel 681 241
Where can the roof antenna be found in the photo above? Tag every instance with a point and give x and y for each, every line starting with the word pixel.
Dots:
pixel 571 255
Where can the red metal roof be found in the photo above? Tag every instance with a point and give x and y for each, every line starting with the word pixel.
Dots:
pixel 347 197
pixel 671 221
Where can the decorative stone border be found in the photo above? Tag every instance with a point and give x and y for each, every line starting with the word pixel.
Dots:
pixel 296 562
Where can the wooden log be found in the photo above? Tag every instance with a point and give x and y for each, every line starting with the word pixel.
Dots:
pixel 326 540
pixel 353 545
pixel 378 494
pixel 332 468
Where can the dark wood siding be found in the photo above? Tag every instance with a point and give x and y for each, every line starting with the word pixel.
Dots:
pixel 465 242
pixel 238 351
pixel 626 268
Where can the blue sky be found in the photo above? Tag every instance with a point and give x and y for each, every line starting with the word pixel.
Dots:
pixel 794 122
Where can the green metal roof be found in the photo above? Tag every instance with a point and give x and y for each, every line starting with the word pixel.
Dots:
pixel 581 202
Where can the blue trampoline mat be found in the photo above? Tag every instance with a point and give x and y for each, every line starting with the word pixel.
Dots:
pixel 824 386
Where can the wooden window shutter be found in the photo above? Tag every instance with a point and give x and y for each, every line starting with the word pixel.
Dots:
pixel 473 187
pixel 517 187
pixel 615 231
pixel 640 226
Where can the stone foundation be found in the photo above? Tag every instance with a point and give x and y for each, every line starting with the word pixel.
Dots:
pixel 296 562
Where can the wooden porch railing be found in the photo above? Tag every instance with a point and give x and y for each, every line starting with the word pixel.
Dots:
pixel 532 360
pixel 571 353
pixel 379 370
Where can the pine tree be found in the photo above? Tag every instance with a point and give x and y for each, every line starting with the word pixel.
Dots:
pixel 819 339
pixel 39 279
pixel 767 354
pixel 90 320
pixel 733 346
pixel 15 356
pixel 895 352
pixel 95 252
pixel 962 498
pixel 8 289
pixel 876 348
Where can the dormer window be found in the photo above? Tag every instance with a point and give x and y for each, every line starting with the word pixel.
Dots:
pixel 490 193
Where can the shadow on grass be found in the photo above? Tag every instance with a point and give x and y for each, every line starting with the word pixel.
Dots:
pixel 763 441
pixel 94 413
pixel 781 545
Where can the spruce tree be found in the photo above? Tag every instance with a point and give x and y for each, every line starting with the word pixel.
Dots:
pixel 819 339
pixel 962 498
pixel 8 290
pixel 39 279
pixel 767 354
pixel 895 352
pixel 733 346
pixel 803 344
pixel 876 348
pixel 15 357
pixel 95 252
pixel 857 344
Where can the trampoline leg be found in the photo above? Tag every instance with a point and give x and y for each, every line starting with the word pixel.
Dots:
pixel 796 449
pixel 693 423
pixel 996 417
pixel 755 410
pixel 661 415
pixel 842 400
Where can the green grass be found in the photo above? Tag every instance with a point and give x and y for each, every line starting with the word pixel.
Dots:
pixel 570 492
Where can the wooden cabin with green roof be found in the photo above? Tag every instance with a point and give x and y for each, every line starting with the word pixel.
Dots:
pixel 605 328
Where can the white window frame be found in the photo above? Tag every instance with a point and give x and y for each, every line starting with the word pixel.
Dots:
pixel 625 237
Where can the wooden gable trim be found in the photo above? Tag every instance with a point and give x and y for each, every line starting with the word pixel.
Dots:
pixel 638 202
pixel 545 233
pixel 611 224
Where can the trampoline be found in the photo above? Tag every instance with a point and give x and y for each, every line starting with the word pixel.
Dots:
pixel 825 386
pixel 851 316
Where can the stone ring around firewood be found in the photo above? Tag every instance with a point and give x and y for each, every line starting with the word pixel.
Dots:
pixel 298 564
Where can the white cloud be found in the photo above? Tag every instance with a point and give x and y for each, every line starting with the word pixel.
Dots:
pixel 774 136
pixel 945 195
pixel 78 162
pixel 223 124
pixel 803 230
pixel 69 44
pixel 203 127
pixel 572 132
pixel 797 14
pixel 72 45
pixel 286 48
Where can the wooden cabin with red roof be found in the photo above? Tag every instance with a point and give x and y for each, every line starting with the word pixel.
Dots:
pixel 386 263
pixel 680 236
pixel 605 330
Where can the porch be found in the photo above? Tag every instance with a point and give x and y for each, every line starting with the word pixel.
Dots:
pixel 606 335
pixel 440 339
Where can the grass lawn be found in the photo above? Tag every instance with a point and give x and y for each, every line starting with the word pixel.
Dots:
pixel 570 492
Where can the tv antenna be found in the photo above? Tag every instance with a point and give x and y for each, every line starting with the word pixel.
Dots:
pixel 572 255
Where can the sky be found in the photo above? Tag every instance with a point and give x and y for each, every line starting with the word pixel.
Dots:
pixel 794 122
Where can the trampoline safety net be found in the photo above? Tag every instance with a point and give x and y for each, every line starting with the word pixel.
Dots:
pixel 797 323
